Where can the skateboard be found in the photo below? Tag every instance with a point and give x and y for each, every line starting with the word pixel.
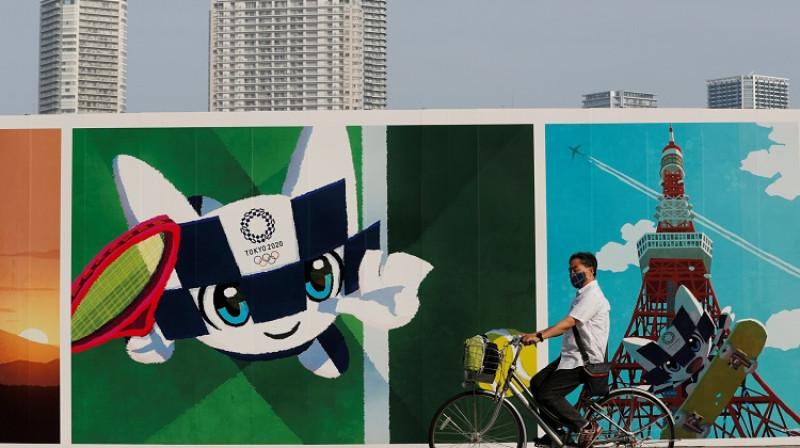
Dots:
pixel 717 385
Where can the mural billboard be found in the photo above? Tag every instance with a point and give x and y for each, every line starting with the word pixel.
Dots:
pixel 311 279
pixel 688 222
pixel 286 285
pixel 30 166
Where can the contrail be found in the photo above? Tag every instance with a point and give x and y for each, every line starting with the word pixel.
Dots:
pixel 779 263
pixel 625 178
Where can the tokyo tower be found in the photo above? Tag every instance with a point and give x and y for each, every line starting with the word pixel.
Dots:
pixel 678 255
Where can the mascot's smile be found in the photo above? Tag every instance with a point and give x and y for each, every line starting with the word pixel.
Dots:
pixel 283 335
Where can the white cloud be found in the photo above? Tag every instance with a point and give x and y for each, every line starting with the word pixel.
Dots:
pixel 781 161
pixel 616 257
pixel 782 330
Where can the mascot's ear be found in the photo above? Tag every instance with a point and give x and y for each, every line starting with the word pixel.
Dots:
pixel 204 205
pixel 632 346
pixel 323 156
pixel 145 193
pixel 686 300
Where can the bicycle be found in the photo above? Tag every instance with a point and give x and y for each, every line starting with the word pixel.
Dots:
pixel 629 417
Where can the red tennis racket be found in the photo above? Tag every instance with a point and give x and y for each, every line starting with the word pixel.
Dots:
pixel 117 293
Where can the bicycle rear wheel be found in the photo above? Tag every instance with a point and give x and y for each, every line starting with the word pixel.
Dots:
pixel 632 418
pixel 460 420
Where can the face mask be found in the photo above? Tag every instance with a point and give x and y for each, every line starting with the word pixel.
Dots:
pixel 577 278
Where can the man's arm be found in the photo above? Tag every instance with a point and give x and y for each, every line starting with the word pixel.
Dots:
pixel 558 329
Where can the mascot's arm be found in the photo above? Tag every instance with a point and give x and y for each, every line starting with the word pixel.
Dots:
pixel 724 325
pixel 387 295
pixel 151 349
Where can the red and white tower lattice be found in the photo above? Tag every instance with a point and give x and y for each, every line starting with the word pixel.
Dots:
pixel 677 255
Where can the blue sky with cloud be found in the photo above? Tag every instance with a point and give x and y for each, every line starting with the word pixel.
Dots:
pixel 743 180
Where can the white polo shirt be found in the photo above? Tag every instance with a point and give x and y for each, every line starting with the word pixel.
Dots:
pixel 591 309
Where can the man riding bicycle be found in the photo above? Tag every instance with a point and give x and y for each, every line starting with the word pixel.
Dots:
pixel 589 314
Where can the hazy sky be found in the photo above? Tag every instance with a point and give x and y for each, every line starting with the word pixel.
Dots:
pixel 467 53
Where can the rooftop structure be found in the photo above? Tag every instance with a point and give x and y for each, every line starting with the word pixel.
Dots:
pixel 619 99
pixel 748 92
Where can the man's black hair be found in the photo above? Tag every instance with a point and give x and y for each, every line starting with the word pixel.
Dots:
pixel 587 259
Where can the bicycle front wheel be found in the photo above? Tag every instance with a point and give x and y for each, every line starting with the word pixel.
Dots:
pixel 632 418
pixel 466 419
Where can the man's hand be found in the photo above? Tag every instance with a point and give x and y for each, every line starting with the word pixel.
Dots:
pixel 529 338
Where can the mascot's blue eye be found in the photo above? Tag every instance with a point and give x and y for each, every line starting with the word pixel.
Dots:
pixel 694 343
pixel 323 277
pixel 672 366
pixel 230 305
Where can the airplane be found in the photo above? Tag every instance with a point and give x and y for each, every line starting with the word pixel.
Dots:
pixel 574 150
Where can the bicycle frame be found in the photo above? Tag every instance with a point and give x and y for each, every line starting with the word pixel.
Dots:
pixel 518 389
pixel 524 395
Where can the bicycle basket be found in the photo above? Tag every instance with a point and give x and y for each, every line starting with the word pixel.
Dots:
pixel 481 359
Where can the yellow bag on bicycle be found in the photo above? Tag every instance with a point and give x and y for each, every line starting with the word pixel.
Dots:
pixel 481 359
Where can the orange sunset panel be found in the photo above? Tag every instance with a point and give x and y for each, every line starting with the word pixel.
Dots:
pixel 30 198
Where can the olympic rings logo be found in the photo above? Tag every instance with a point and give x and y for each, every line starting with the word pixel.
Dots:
pixel 266 259
pixel 263 216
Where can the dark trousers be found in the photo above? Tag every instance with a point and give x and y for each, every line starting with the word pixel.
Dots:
pixel 551 387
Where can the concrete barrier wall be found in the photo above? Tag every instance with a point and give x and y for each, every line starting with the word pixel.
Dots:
pixel 330 265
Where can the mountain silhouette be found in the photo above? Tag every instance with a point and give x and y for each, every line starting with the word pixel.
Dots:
pixel 17 348
pixel 25 373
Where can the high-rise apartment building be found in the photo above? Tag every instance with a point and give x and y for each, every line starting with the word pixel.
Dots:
pixel 374 54
pixel 748 92
pixel 297 55
pixel 619 99
pixel 82 56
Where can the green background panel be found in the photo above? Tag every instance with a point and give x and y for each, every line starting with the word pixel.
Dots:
pixel 461 198
pixel 200 395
